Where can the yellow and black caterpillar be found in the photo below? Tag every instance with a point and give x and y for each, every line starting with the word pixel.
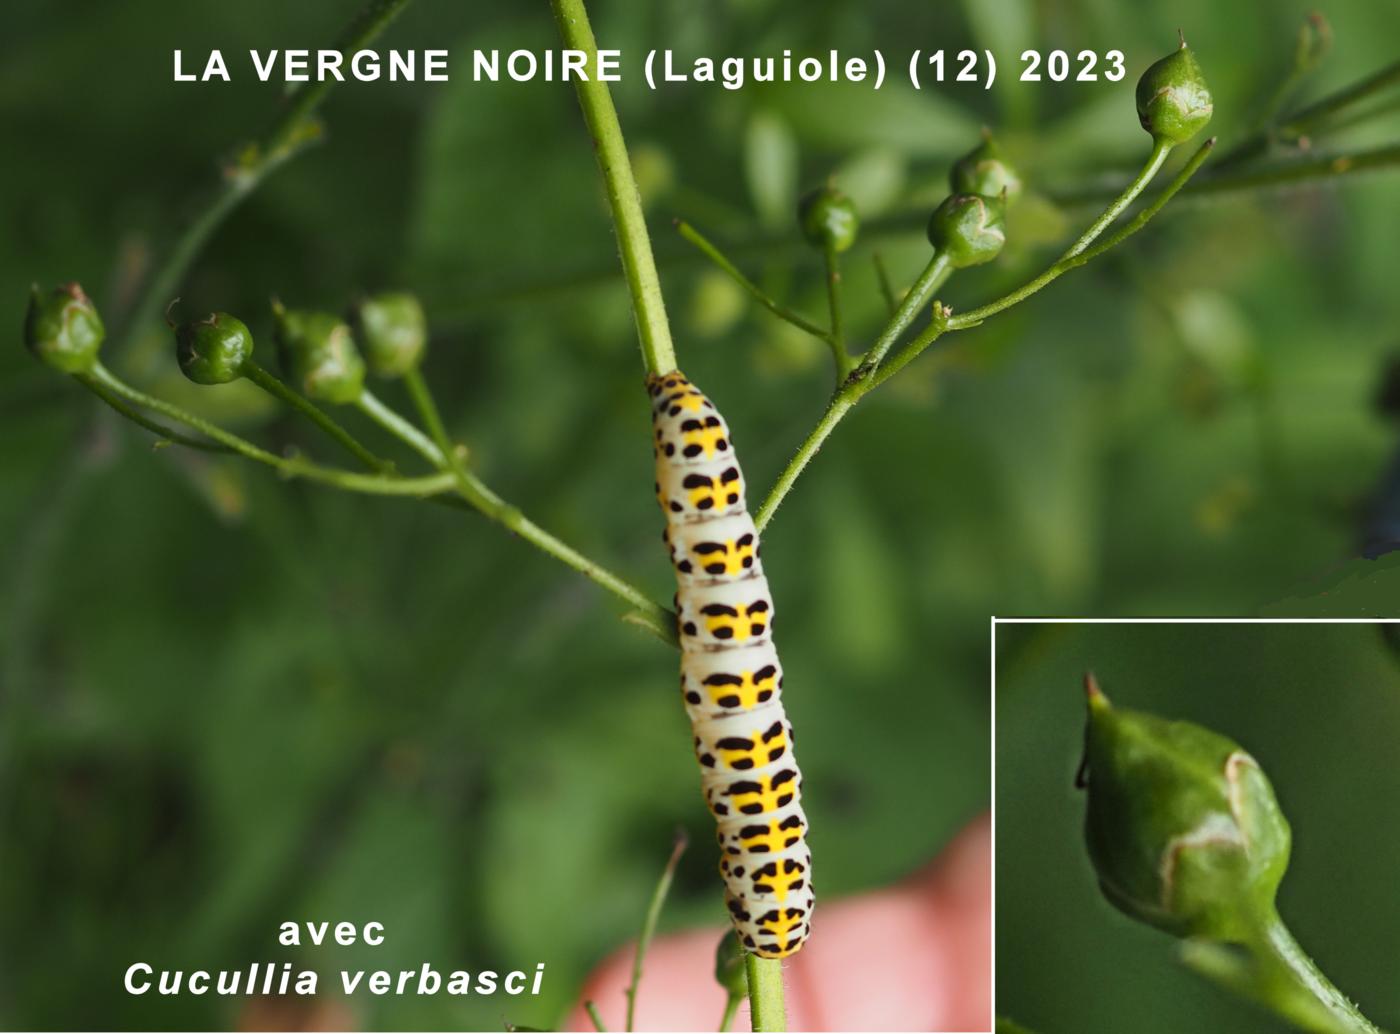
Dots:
pixel 730 676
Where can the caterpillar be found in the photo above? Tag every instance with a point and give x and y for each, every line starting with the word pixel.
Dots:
pixel 731 679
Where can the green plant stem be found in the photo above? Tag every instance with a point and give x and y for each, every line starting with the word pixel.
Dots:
pixel 374 484
pixel 658 899
pixel 137 417
pixel 649 614
pixel 1285 952
pixel 868 375
pixel 634 244
pixel 274 387
pixel 293 130
pixel 766 1005
pixel 882 277
pixel 731 1006
pixel 839 354
pixel 1160 150
pixel 711 252
pixel 1292 127
pixel 369 404
pixel 592 1011
pixel 1081 251
pixel 855 385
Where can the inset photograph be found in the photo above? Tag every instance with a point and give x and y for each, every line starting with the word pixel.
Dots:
pixel 1196 826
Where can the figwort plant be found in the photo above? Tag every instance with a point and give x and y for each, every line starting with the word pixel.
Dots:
pixel 1185 834
pixel 326 359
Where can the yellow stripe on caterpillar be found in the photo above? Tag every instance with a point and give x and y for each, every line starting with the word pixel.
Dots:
pixel 731 678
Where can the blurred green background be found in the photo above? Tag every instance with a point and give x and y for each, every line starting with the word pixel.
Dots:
pixel 229 701
pixel 1318 705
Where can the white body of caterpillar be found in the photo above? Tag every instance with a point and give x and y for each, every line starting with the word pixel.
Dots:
pixel 731 679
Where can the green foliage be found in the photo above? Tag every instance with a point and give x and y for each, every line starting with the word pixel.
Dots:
pixel 407 716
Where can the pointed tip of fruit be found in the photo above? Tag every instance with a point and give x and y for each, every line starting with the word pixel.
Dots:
pixel 1182 37
pixel 1092 693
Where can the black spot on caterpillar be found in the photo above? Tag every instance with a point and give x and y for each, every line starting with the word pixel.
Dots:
pixel 730 674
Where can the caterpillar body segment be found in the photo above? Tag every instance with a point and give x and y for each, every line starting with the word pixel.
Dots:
pixel 731 678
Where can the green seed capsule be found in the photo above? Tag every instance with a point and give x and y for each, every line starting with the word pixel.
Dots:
pixel 1182 826
pixel 63 329
pixel 318 354
pixel 213 350
pixel 969 229
pixel 393 331
pixel 729 965
pixel 1173 102
pixel 828 219
pixel 984 171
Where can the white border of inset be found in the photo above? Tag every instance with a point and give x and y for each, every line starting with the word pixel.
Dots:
pixel 1108 621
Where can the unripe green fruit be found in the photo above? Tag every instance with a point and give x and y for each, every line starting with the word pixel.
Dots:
pixel 1173 102
pixel 63 329
pixel 1182 825
pixel 318 354
pixel 969 229
pixel 213 350
pixel 984 171
pixel 729 965
pixel 393 331
pixel 828 219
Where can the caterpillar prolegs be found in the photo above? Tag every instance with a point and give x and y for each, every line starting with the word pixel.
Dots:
pixel 731 679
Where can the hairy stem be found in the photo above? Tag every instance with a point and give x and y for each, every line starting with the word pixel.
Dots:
pixel 292 131
pixel 651 615
pixel 838 331
pixel 633 242
pixel 882 276
pixel 711 252
pixel 141 419
pixel 1284 951
pixel 766 993
pixel 869 375
pixel 1081 251
pixel 935 273
pixel 274 387
pixel 658 899
pixel 369 404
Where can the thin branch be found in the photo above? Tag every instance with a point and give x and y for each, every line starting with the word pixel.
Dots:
pixel 882 276
pixel 274 387
pixel 868 375
pixel 633 242
pixel 369 404
pixel 1080 252
pixel 165 434
pixel 658 899
pixel 649 614
pixel 711 252
pixel 293 130
pixel 837 339
pixel 592 1010
pixel 291 466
